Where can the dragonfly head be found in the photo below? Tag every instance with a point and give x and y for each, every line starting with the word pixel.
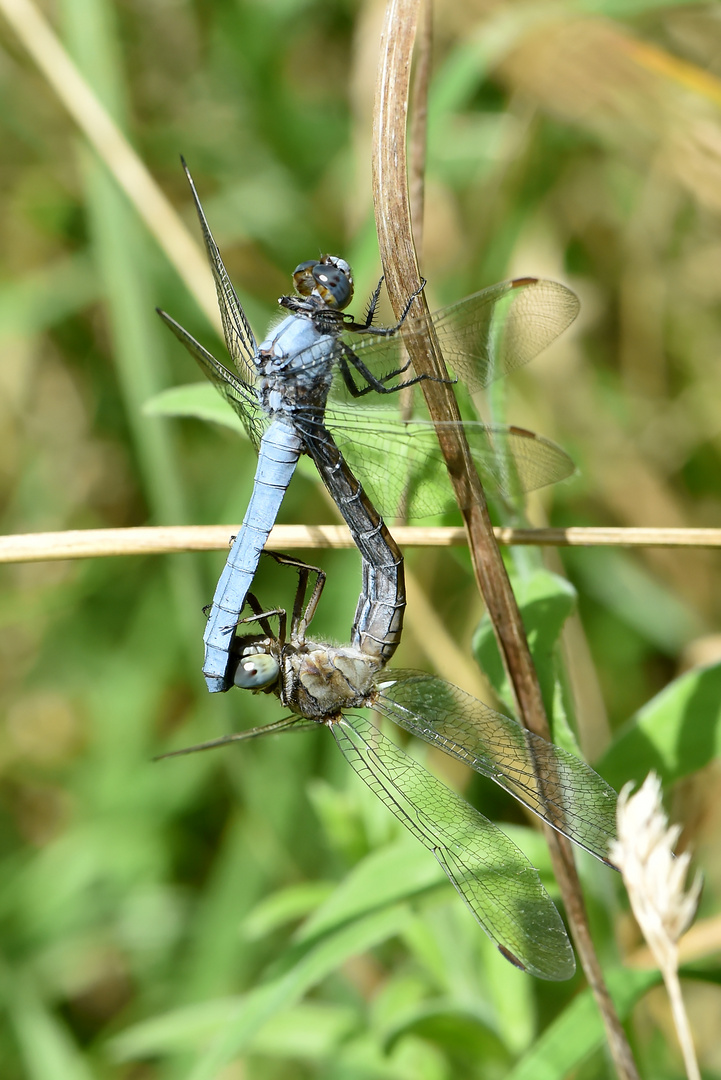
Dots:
pixel 256 671
pixel 329 277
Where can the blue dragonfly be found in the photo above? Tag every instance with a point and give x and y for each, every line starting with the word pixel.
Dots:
pixel 297 392
pixel 324 685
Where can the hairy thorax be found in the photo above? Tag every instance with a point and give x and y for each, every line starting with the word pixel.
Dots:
pixel 295 366
pixel 320 681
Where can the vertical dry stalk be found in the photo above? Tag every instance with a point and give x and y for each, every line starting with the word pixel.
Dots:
pixel 654 879
pixel 419 126
pixel 395 238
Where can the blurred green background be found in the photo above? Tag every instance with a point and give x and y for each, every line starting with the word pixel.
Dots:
pixel 148 911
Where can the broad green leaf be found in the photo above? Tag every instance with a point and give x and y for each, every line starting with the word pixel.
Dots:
pixel 46 1043
pixel 308 968
pixel 578 1031
pixel 181 1029
pixel 461 1032
pixel 675 733
pixel 308 1030
pixel 285 906
pixel 546 600
pixel 303 1030
pixel 235 1022
pixel 198 400
pixel 400 871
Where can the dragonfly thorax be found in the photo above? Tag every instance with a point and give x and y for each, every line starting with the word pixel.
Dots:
pixel 295 366
pixel 291 336
pixel 320 681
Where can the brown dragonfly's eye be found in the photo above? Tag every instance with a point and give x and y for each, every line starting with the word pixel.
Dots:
pixel 329 277
pixel 303 279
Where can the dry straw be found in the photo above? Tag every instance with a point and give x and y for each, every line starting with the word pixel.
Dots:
pixel 402 276
pixel 170 539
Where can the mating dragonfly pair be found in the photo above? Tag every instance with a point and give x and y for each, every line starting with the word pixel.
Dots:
pixel 292 394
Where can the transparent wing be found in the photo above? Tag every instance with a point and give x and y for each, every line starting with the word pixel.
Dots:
pixel 241 397
pixel 495 879
pixel 483 337
pixel 551 782
pixel 503 327
pixel 238 335
pixel 403 470
pixel 400 462
pixel 278 727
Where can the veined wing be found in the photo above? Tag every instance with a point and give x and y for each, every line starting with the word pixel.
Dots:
pixel 550 781
pixel 294 724
pixel 400 462
pixel 483 337
pixel 493 876
pixel 503 327
pixel 238 335
pixel 403 470
pixel 239 395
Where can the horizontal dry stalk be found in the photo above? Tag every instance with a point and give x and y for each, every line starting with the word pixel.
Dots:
pixel 170 539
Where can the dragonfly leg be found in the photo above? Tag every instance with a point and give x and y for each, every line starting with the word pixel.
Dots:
pixel 383 331
pixel 301 622
pixel 357 391
pixel 301 619
pixel 262 616
pixel 372 305
pixel 289 560
pixel 374 383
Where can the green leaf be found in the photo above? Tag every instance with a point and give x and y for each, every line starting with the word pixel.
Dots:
pixel 285 906
pixel 675 733
pixel 309 967
pixel 45 1042
pixel 363 911
pixel 198 400
pixel 546 600
pixel 306 1029
pixel 579 1030
pixel 310 1030
pixel 622 584
pixel 181 1029
pixel 236 1021
pixel 397 872
pixel 461 1033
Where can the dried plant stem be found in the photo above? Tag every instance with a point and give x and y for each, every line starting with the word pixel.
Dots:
pixel 169 539
pixel 419 125
pixel 402 278
pixel 680 1019
pixel 702 939
pixel 395 238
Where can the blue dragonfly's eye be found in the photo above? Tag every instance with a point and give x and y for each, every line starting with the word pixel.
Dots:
pixel 256 672
pixel 333 281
